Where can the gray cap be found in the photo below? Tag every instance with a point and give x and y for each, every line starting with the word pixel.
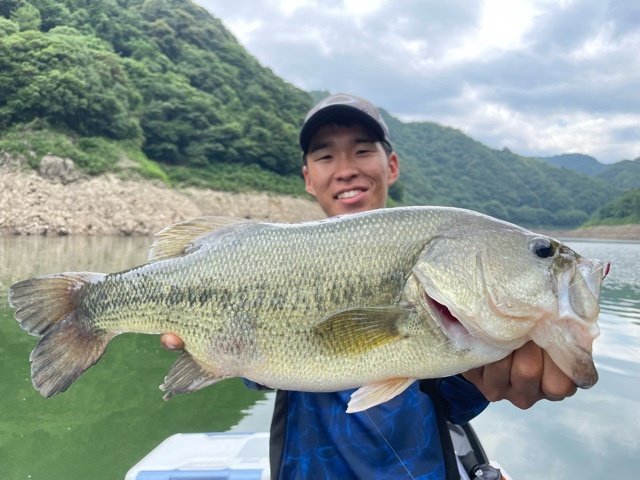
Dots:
pixel 343 108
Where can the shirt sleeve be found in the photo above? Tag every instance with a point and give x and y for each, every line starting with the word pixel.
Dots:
pixel 463 399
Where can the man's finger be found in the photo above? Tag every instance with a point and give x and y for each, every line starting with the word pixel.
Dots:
pixel 555 385
pixel 171 341
pixel 526 375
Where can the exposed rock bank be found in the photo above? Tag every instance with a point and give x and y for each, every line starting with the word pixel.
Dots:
pixel 58 201
pixel 602 232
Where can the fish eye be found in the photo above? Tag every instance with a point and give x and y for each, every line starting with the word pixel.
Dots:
pixel 543 247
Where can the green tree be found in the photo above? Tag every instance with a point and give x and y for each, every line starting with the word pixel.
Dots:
pixel 27 17
pixel 7 27
pixel 62 79
pixel 52 13
pixel 8 6
pixel 624 209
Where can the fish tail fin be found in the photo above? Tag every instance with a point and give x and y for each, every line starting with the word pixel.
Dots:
pixel 47 307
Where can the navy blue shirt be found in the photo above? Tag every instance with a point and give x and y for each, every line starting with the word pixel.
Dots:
pixel 313 437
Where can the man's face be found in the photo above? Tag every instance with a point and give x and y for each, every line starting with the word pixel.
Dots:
pixel 347 170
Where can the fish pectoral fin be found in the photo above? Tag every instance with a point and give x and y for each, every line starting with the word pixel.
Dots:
pixel 374 394
pixel 354 331
pixel 186 375
pixel 184 237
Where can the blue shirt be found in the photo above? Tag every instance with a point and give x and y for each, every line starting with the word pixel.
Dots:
pixel 313 437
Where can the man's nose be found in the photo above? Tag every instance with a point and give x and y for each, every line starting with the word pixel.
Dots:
pixel 345 168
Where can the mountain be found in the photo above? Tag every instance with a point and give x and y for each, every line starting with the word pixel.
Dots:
pixel 623 210
pixel 622 175
pixel 161 88
pixel 164 74
pixel 443 166
pixel 576 162
pixel 623 178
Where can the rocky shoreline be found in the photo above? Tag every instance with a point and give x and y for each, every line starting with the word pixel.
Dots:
pixel 59 201
pixel 37 203
pixel 623 233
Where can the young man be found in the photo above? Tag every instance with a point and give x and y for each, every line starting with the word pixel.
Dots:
pixel 349 165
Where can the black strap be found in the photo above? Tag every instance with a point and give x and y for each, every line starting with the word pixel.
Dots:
pixel 277 438
pixel 430 387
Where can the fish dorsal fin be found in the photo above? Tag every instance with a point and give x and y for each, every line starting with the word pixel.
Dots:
pixel 357 330
pixel 184 237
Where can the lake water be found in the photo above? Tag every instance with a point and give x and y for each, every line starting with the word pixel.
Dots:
pixel 113 415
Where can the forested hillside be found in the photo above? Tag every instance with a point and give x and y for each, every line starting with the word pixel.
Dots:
pixel 576 162
pixel 447 167
pixel 160 87
pixel 623 210
pixel 161 75
pixel 621 175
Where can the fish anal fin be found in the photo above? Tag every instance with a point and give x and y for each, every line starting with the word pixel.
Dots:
pixel 187 375
pixel 354 331
pixel 184 237
pixel 376 393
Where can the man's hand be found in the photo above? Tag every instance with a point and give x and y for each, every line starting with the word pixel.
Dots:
pixel 523 378
pixel 171 341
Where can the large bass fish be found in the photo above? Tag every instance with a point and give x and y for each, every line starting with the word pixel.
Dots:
pixel 374 300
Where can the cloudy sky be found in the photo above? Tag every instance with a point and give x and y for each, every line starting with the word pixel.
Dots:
pixel 539 77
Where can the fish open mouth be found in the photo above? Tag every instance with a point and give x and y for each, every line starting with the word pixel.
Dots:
pixel 451 326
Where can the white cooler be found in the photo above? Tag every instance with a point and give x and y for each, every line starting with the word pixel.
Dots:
pixel 206 456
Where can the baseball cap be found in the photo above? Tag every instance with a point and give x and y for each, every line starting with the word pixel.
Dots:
pixel 340 108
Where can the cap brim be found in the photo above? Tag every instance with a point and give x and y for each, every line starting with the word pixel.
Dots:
pixel 340 114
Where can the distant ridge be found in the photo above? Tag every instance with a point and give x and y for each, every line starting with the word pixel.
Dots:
pixel 576 162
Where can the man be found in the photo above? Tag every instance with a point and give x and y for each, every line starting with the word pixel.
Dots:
pixel 349 165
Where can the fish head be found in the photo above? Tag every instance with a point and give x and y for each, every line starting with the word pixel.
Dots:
pixel 568 335
pixel 504 286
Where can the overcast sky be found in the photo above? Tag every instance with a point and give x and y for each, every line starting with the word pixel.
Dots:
pixel 540 77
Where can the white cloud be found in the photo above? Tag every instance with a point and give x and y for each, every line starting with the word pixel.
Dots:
pixel 363 7
pixel 244 28
pixel 503 25
pixel 538 76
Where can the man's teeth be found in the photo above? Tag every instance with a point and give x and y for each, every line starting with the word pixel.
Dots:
pixel 348 194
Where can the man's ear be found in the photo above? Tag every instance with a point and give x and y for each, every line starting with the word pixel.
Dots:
pixel 307 181
pixel 394 168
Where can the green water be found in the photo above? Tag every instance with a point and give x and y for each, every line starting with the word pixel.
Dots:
pixel 114 414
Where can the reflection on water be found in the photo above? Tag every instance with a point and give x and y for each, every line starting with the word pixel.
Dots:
pixel 114 414
pixel 23 257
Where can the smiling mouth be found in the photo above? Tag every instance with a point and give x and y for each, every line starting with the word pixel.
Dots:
pixel 349 194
